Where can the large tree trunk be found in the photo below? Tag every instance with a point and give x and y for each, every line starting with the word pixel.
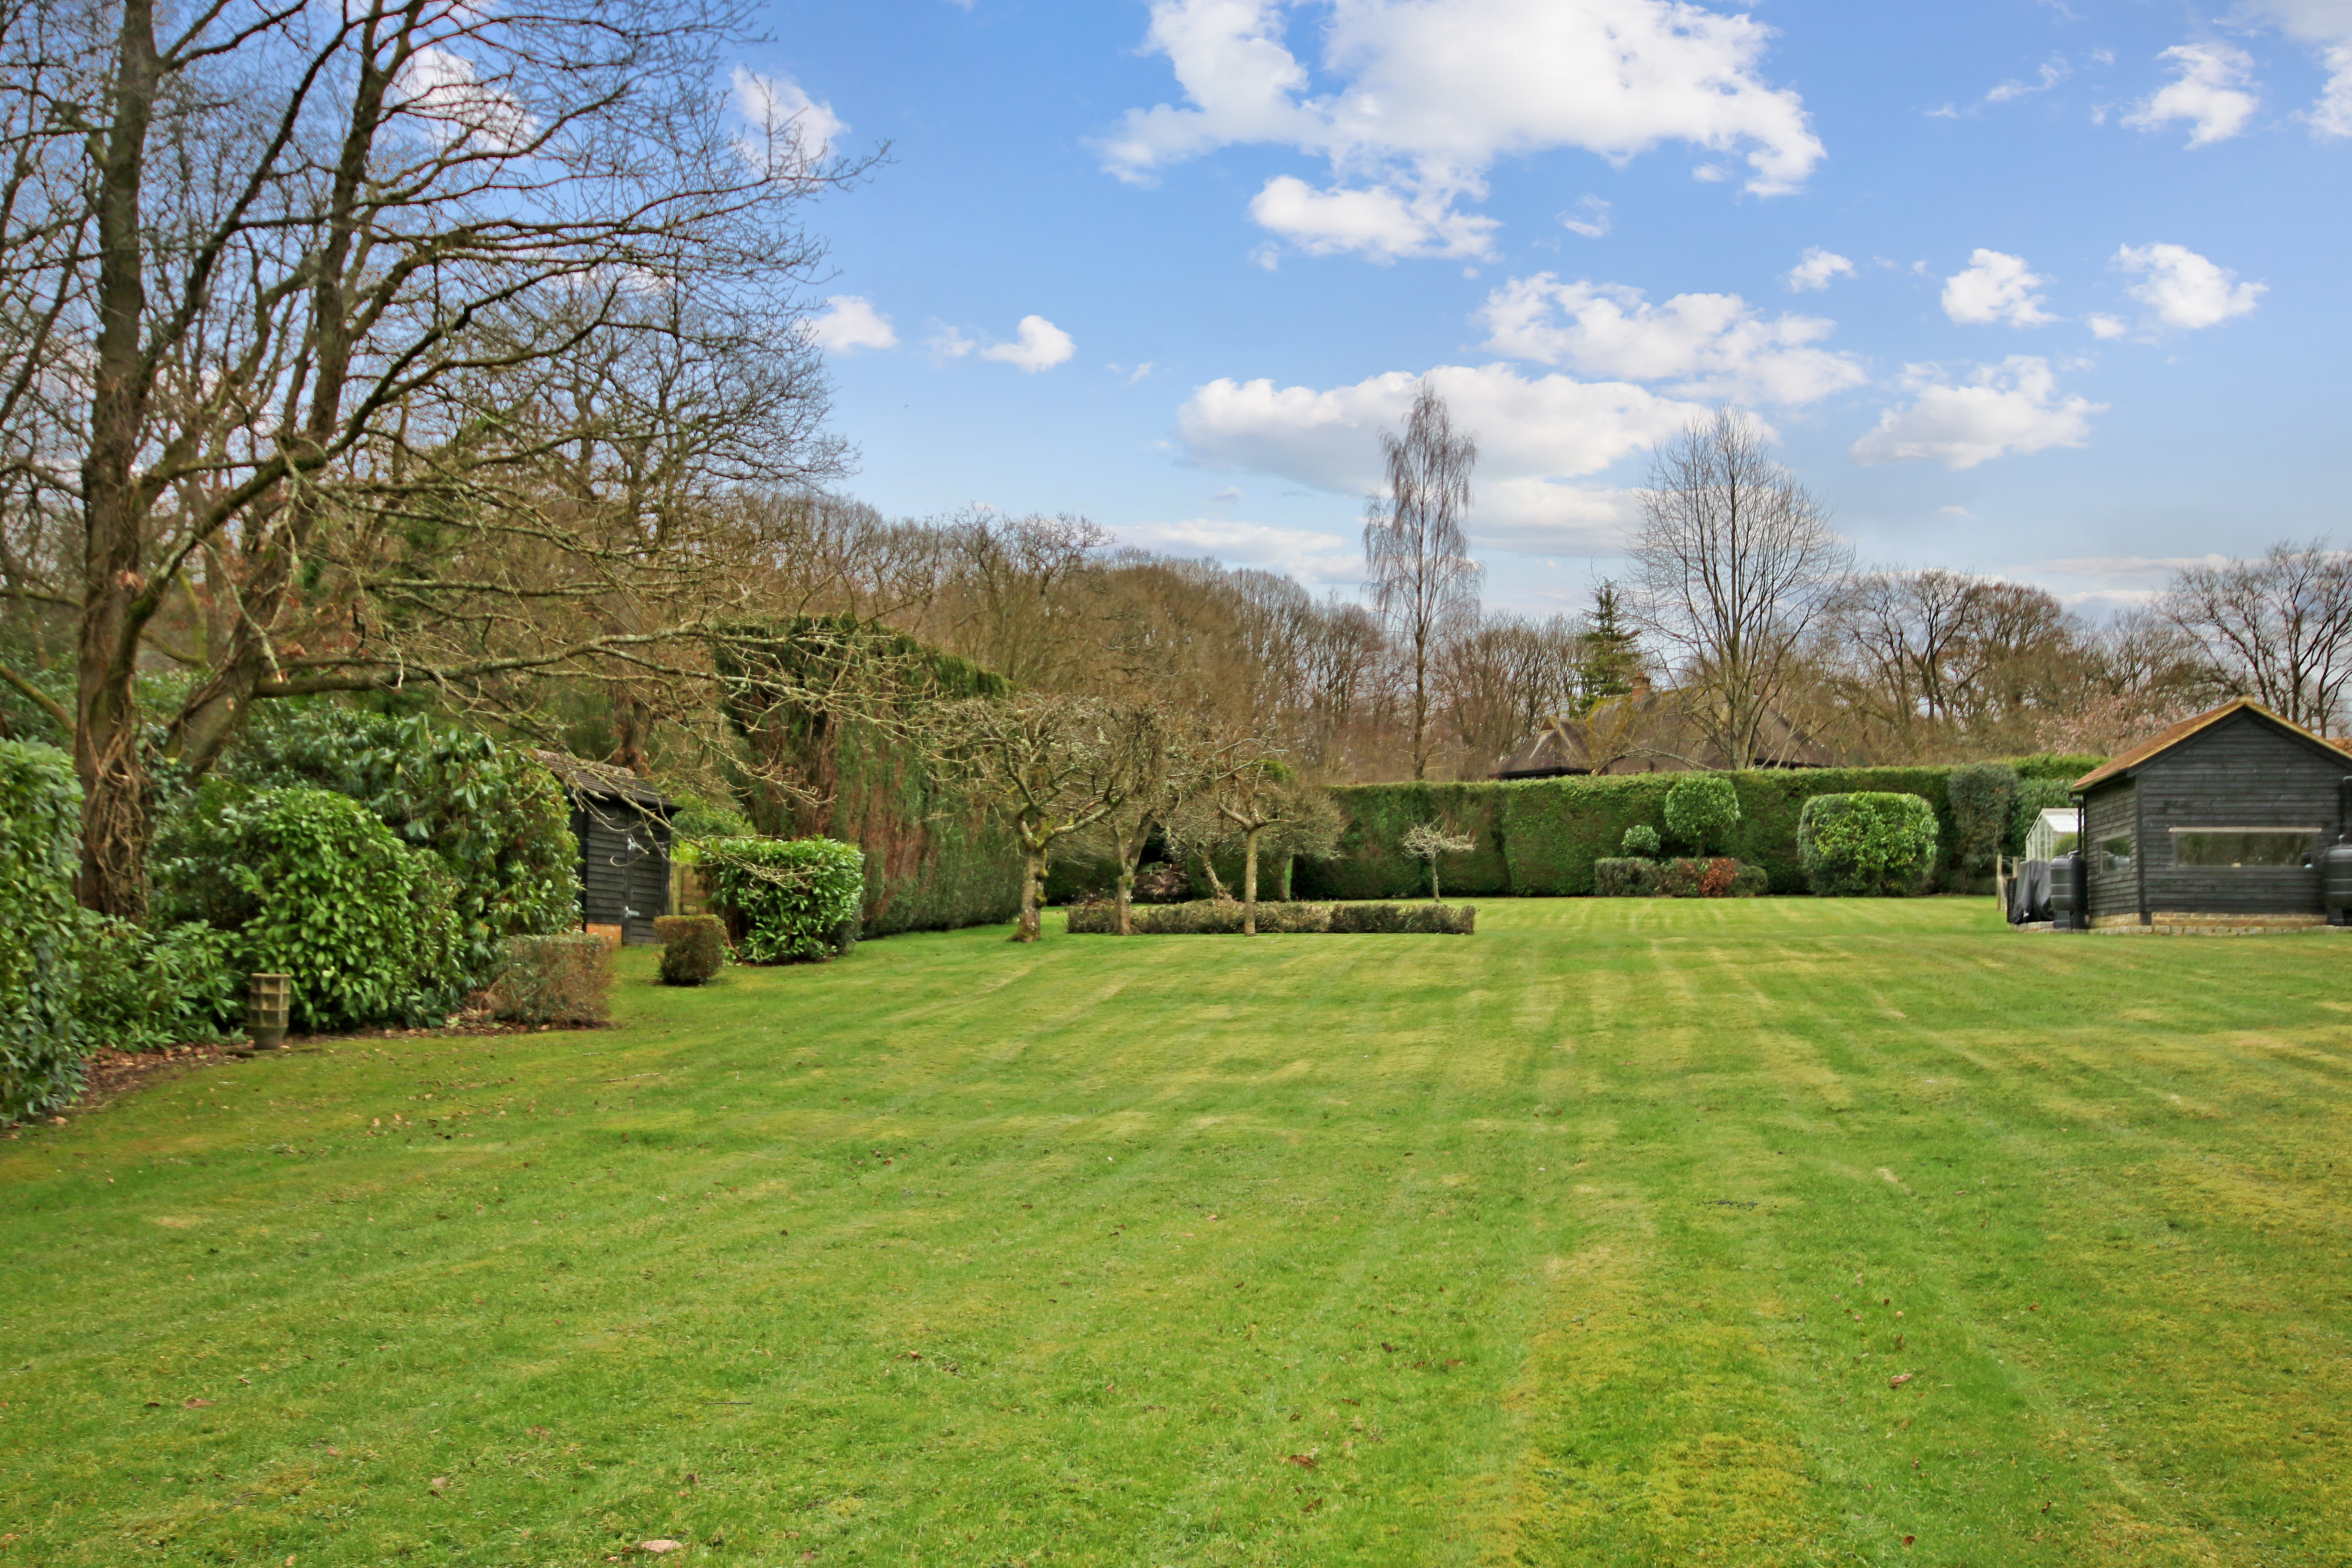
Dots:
pixel 115 601
pixel 1033 884
pixel 1249 882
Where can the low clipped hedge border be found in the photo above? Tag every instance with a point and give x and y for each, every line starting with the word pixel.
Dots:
pixel 1223 917
pixel 1541 838
pixel 1633 877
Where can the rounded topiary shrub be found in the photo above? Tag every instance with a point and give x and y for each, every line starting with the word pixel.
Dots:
pixel 1641 842
pixel 694 948
pixel 1701 810
pixel 1867 844
pixel 308 882
pixel 794 899
pixel 40 930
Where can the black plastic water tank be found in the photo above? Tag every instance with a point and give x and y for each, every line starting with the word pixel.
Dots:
pixel 2335 882
pixel 2066 910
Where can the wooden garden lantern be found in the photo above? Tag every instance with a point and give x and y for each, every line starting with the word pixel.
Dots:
pixel 267 998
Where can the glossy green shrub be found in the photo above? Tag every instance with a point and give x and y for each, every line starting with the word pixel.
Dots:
pixel 41 1045
pixel 1870 844
pixel 492 815
pixel 694 948
pixel 143 990
pixel 1701 811
pixel 791 898
pixel 308 883
pixel 1641 842
pixel 563 978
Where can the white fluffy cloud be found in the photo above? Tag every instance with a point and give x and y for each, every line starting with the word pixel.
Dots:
pixel 1816 268
pixel 2183 289
pixel 848 324
pixel 1714 346
pixel 788 128
pixel 2327 25
pixel 1995 288
pixel 2211 91
pixel 1535 435
pixel 440 87
pixel 1038 346
pixel 1424 95
pixel 1998 411
pixel 1379 222
pixel 1312 557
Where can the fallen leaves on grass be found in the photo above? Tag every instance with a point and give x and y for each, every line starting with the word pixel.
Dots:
pixel 192 1403
pixel 437 1485
pixel 661 1548
pixel 1900 1378
pixel 1304 1461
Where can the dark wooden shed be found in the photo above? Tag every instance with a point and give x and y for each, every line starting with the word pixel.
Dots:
pixel 2219 820
pixel 623 826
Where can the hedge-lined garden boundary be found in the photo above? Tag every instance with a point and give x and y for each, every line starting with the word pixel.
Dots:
pixel 1223 917
pixel 1539 837
pixel 934 860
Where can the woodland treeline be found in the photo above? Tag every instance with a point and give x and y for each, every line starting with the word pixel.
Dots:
pixel 434 356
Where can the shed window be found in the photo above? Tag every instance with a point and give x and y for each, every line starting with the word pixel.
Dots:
pixel 2116 854
pixel 2239 848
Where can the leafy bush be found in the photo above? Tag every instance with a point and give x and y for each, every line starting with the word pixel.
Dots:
pixel 1984 799
pixel 1708 879
pixel 1702 809
pixel 41 1044
pixel 1751 882
pixel 565 978
pixel 1631 877
pixel 308 882
pixel 796 898
pixel 143 990
pixel 694 948
pixel 1641 842
pixel 1867 844
pixel 494 817
pixel 1205 917
pixel 1405 920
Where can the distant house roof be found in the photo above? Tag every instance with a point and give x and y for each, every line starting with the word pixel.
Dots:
pixel 1648 731
pixel 2165 740
pixel 602 780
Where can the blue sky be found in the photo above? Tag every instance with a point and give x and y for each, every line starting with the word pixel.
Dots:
pixel 2077 305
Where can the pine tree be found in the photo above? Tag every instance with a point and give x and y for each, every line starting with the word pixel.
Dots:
pixel 1611 657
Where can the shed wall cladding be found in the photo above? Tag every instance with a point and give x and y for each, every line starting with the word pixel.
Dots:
pixel 624 868
pixel 2242 772
pixel 2107 816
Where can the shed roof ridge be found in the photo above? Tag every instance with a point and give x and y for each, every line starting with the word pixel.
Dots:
pixel 2187 729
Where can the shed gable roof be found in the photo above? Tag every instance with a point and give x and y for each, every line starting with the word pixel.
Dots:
pixel 2186 729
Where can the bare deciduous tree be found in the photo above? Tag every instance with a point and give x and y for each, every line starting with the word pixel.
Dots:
pixel 2278 629
pixel 306 305
pixel 1421 575
pixel 1734 564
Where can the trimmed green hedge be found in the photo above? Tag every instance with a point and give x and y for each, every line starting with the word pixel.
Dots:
pixel 1539 837
pixel 41 1044
pixel 1223 917
pixel 792 899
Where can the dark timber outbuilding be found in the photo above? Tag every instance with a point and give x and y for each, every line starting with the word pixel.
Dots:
pixel 2218 821
pixel 623 826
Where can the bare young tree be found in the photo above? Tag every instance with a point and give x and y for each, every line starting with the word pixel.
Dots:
pixel 1428 842
pixel 2278 629
pixel 296 295
pixel 1734 564
pixel 1421 575
pixel 1257 806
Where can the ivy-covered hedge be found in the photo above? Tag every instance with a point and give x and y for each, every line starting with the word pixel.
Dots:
pixel 308 883
pixel 41 1044
pixel 935 861
pixel 1540 837
pixel 791 900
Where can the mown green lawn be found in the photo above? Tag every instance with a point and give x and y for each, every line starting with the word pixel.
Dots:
pixel 1598 1238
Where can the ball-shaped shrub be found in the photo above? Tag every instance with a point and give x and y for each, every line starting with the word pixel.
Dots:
pixel 1641 842
pixel 1868 844
pixel 1701 810
pixel 694 948
pixel 308 882
pixel 799 899
pixel 40 930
